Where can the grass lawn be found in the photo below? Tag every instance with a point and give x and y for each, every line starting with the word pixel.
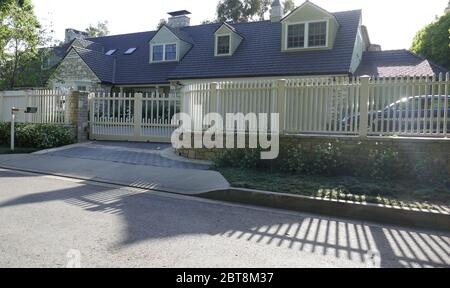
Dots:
pixel 396 193
pixel 6 150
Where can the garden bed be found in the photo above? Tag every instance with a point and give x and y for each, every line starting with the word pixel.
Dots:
pixel 400 193
pixel 7 150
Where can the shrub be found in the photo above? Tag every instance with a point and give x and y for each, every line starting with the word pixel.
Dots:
pixel 40 136
pixel 384 163
pixel 428 170
pixel 293 159
pixel 326 159
pixel 241 158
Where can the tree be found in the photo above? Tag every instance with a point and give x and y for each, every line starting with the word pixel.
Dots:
pixel 242 10
pixel 432 42
pixel 288 6
pixel 19 38
pixel 100 30
pixel 161 23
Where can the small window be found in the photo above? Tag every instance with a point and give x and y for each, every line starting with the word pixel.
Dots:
pixel 223 45
pixel 296 36
pixel 317 34
pixel 111 52
pixel 171 52
pixel 130 51
pixel 158 53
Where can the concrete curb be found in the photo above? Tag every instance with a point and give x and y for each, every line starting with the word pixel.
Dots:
pixel 366 212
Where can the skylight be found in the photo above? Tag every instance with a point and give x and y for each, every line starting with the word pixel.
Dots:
pixel 130 51
pixel 111 52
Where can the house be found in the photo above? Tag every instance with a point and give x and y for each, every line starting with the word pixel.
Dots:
pixel 310 41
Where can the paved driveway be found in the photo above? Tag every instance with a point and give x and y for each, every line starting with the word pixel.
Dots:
pixel 147 154
pixel 46 221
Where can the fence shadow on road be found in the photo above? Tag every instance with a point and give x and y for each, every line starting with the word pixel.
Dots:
pixel 149 216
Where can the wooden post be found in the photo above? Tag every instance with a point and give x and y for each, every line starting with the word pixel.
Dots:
pixel 281 100
pixel 137 114
pixel 213 98
pixel 364 109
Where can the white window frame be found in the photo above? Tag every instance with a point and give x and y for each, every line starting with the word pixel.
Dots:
pixel 216 50
pixel 164 52
pixel 306 44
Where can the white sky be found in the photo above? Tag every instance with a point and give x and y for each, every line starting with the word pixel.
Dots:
pixel 391 23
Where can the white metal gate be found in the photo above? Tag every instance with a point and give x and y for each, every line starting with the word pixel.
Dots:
pixel 133 117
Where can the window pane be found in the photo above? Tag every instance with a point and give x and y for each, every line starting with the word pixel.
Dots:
pixel 223 45
pixel 171 52
pixel 317 34
pixel 158 53
pixel 296 36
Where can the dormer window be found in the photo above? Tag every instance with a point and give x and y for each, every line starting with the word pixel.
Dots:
pixel 223 45
pixel 307 35
pixel 296 36
pixel 317 36
pixel 164 52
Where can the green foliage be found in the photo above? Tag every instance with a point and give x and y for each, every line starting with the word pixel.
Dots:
pixel 239 158
pixel 41 136
pixel 19 38
pixel 326 159
pixel 288 6
pixel 293 159
pixel 384 163
pixel 161 23
pixel 429 170
pixel 99 30
pixel 432 42
pixel 242 10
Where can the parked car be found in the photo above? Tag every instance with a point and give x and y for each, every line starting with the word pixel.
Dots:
pixel 408 115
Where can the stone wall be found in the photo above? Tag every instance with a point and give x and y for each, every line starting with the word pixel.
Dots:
pixel 73 72
pixel 79 115
pixel 410 149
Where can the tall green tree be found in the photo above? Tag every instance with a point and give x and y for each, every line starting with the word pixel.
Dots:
pixel 432 42
pixel 19 39
pixel 99 30
pixel 242 10
pixel 288 6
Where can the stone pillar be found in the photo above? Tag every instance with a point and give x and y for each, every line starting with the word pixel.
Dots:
pixel 83 117
pixel 72 112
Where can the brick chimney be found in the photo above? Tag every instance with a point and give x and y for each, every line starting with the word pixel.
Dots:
pixel 179 19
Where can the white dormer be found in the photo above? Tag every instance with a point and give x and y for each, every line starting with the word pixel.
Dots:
pixel 308 27
pixel 227 40
pixel 168 45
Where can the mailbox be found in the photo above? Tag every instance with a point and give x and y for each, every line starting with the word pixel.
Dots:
pixel 31 110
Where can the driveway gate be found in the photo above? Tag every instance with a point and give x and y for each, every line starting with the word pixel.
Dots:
pixel 133 117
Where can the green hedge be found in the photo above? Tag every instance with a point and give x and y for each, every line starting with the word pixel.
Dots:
pixel 40 136
pixel 328 159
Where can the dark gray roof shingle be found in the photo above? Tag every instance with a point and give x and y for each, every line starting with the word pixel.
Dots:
pixel 258 55
pixel 102 65
pixel 397 63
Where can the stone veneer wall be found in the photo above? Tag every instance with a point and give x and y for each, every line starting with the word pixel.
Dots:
pixel 73 70
pixel 410 149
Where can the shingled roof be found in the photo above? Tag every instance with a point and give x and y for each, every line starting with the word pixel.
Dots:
pixel 258 55
pixel 397 63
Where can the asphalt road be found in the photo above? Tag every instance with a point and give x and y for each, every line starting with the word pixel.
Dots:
pixel 54 222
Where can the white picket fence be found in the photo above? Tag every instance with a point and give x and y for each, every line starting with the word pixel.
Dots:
pixel 52 106
pixel 133 117
pixel 418 107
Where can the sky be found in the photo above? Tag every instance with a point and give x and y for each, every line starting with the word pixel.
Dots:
pixel 391 23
